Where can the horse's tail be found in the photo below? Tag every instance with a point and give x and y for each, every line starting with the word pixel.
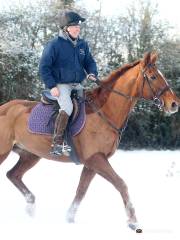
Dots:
pixel 5 107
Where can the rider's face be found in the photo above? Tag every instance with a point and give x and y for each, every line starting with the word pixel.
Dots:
pixel 74 31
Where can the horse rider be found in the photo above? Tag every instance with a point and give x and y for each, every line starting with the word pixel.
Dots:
pixel 65 62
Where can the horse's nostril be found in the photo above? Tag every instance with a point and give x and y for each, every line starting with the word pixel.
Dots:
pixel 174 105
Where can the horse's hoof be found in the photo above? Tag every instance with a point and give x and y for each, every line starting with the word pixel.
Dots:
pixel 139 230
pixel 30 209
pixel 71 221
pixel 134 227
pixel 70 218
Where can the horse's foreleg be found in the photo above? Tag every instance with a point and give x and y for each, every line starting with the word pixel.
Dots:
pixel 99 163
pixel 26 161
pixel 86 177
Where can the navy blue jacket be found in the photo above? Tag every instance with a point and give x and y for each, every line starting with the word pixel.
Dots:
pixel 62 62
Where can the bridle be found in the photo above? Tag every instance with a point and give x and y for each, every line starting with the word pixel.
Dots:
pixel 155 96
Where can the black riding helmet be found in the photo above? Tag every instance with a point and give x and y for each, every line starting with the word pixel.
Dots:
pixel 69 18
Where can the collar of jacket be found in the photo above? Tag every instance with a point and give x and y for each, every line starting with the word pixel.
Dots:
pixel 65 36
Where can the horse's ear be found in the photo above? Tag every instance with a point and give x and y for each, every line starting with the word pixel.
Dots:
pixel 154 57
pixel 146 59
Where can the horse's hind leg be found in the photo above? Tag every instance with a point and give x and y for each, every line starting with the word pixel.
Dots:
pixel 86 177
pixel 99 163
pixel 26 161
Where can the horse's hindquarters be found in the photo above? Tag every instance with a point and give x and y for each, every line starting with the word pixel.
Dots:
pixel 6 135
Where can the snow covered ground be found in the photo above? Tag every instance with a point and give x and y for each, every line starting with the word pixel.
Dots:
pixel 153 178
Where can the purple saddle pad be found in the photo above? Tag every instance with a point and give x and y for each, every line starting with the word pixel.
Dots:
pixel 39 120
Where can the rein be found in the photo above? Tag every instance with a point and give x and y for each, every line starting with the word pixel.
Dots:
pixel 98 82
pixel 102 115
pixel 156 98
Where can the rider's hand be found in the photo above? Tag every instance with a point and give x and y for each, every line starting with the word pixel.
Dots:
pixel 91 77
pixel 55 92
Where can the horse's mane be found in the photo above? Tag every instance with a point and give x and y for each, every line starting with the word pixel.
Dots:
pixel 100 94
pixel 120 71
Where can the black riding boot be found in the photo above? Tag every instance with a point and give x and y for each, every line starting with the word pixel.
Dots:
pixel 59 147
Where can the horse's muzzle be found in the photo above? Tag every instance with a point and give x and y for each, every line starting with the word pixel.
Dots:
pixel 173 108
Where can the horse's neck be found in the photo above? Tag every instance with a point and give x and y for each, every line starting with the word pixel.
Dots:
pixel 116 107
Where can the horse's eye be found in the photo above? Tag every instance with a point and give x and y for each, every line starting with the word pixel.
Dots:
pixel 153 77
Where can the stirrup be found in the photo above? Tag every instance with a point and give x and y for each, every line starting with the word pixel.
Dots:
pixel 59 150
pixel 66 149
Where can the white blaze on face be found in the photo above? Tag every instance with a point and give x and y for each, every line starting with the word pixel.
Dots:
pixel 160 73
pixel 169 112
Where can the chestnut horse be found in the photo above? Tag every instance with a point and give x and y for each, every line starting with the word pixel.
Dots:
pixel 107 112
